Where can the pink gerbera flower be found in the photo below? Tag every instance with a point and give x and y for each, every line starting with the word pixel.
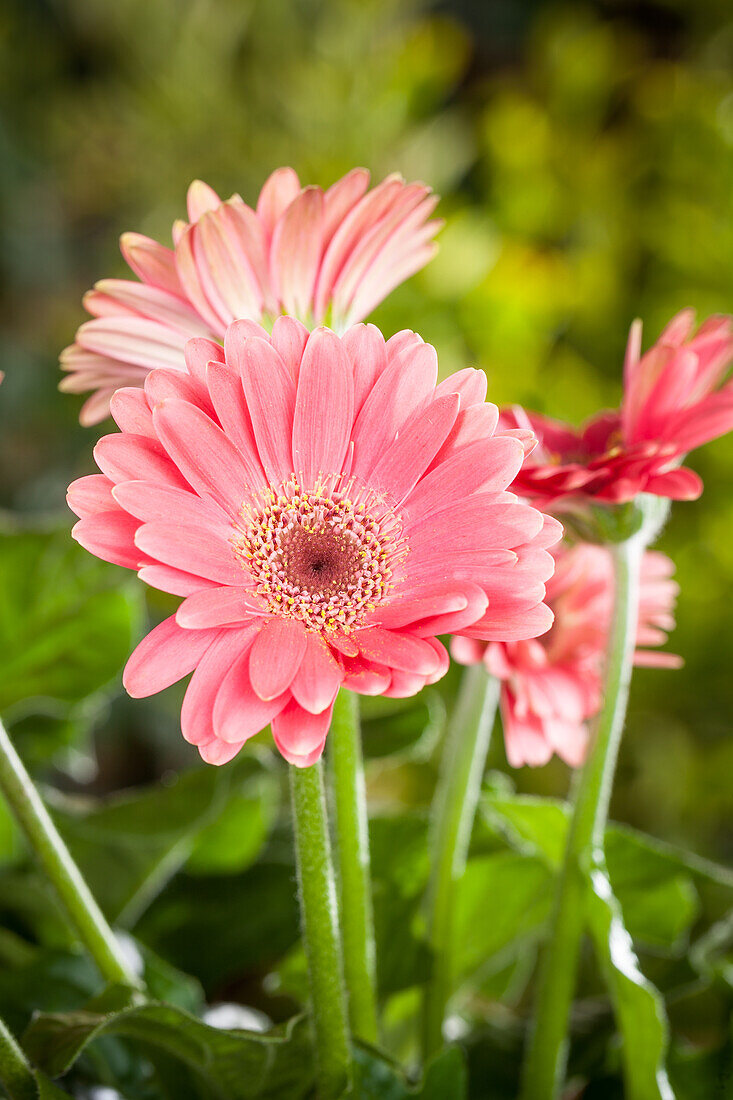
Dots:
pixel 551 686
pixel 317 255
pixel 326 510
pixel 673 402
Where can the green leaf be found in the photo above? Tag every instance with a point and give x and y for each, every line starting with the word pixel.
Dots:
pixel 638 1006
pixel 147 835
pixel 377 1077
pixel 231 1065
pixel 405 728
pixel 501 897
pixel 66 621
pixel 653 881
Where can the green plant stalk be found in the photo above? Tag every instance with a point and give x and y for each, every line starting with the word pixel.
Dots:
pixel 352 859
pixel 16 1075
pixel 546 1058
pixel 454 808
pixel 44 838
pixel 319 918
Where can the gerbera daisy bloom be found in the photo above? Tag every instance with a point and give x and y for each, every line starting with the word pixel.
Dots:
pixel 551 686
pixel 673 402
pixel 322 256
pixel 326 509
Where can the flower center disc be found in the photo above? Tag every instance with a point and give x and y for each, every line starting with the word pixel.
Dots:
pixel 325 556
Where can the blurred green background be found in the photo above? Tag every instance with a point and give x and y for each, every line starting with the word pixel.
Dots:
pixel 585 157
pixel 584 152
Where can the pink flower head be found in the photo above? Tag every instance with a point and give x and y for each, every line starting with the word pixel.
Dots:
pixel 317 255
pixel 673 402
pixel 552 685
pixel 326 510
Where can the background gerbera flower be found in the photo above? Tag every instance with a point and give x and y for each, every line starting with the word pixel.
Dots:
pixel 326 509
pixel 317 255
pixel 673 402
pixel 551 686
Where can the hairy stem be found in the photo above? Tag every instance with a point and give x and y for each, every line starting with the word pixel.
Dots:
pixel 454 808
pixel 319 918
pixel 352 857
pixel 546 1058
pixel 54 856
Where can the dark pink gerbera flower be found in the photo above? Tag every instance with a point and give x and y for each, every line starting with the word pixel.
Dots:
pixel 551 686
pixel 322 256
pixel 326 509
pixel 673 402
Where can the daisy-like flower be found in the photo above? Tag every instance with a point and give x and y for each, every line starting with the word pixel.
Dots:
pixel 326 509
pixel 551 686
pixel 322 256
pixel 673 402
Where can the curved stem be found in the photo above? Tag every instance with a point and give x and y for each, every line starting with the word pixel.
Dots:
pixel 16 1074
pixel 352 857
pixel 319 917
pixel 43 836
pixel 548 1044
pixel 454 808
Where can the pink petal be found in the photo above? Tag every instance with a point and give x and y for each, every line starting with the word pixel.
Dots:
pixel 296 252
pixel 153 263
pixel 200 199
pixel 175 581
pixel 289 337
pixel 91 494
pixel 202 452
pixel 298 733
pixel 124 457
pixel 323 415
pixel 110 535
pixel 364 344
pixel 239 713
pixel 150 500
pixel 147 302
pixel 317 680
pixel 341 198
pixel 197 710
pixel 193 277
pixel 198 353
pixel 164 656
pixel 270 393
pixel 225 387
pixel 219 752
pixel 131 412
pixel 219 607
pixel 404 462
pixel 196 550
pixel 276 655
pixel 402 388
pixel 134 340
pixel 238 288
pixel 401 651
pixel 470 383
pixel 276 196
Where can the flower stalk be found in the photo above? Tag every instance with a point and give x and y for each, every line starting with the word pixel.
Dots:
pixel 16 1075
pixel 548 1043
pixel 319 918
pixel 352 858
pixel 65 876
pixel 454 808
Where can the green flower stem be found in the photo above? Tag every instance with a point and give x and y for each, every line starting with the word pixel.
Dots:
pixel 352 857
pixel 546 1059
pixel 319 917
pixel 44 838
pixel 16 1074
pixel 454 808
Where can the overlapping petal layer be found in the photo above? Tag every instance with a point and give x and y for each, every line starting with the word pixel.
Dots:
pixel 551 686
pixel 674 400
pixel 310 253
pixel 326 510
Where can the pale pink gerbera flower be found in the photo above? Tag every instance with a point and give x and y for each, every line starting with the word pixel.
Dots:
pixel 326 510
pixel 673 402
pixel 322 256
pixel 551 686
